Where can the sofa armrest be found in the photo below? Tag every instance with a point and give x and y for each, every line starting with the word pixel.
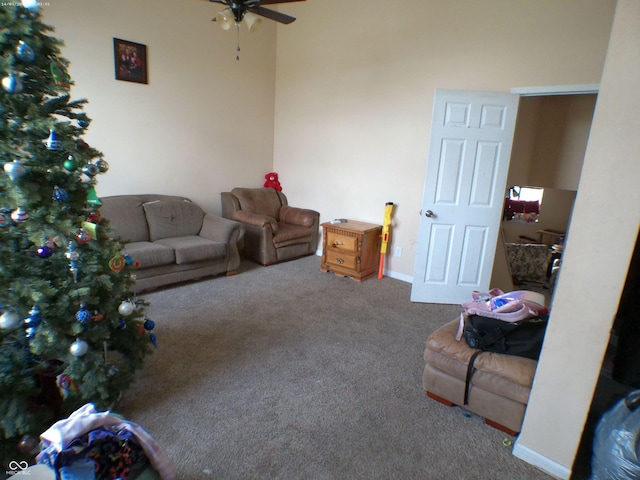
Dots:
pixel 256 219
pixel 219 229
pixel 299 216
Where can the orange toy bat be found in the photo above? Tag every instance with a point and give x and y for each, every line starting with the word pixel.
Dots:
pixel 385 235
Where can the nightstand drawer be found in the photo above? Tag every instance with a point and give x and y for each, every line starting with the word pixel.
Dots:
pixel 341 259
pixel 342 241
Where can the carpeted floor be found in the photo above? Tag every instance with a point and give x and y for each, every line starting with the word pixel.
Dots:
pixel 285 372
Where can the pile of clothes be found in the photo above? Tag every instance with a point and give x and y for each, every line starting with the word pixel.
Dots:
pixel 103 445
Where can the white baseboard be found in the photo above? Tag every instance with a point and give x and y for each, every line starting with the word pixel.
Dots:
pixel 538 460
pixel 387 273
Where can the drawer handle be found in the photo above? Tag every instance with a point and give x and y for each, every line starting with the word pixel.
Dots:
pixel 336 244
pixel 340 260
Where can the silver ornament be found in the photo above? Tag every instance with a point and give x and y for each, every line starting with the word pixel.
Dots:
pixel 79 348
pixel 102 165
pixel 14 170
pixel 9 320
pixel 126 308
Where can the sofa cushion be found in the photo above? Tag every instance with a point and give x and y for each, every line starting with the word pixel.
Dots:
pixel 126 216
pixel 192 248
pixel 173 218
pixel 149 254
pixel 263 201
pixel 289 234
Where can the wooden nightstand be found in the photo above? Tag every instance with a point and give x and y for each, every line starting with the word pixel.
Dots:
pixel 351 249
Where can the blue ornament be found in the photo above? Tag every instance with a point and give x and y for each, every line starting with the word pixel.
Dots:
pixel 30 332
pixel 12 83
pixel 154 340
pixel 25 52
pixel 122 324
pixel 149 324
pixel 53 142
pixel 60 195
pixel 44 251
pixel 35 317
pixel 83 123
pixel 83 315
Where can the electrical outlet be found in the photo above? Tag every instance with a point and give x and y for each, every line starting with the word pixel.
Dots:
pixel 398 252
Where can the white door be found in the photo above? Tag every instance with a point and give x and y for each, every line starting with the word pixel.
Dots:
pixel 464 188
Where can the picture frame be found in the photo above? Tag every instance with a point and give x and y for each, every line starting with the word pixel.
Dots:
pixel 130 60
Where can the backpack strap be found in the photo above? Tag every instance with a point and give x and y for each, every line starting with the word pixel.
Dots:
pixel 467 382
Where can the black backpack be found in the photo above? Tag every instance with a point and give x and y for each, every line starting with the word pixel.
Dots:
pixel 523 339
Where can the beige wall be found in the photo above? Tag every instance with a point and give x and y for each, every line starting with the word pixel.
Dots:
pixel 355 85
pixel 202 125
pixel 597 256
pixel 341 108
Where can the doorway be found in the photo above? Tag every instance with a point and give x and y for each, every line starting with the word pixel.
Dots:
pixel 549 146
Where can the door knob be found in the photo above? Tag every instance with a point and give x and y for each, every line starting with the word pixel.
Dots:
pixel 429 214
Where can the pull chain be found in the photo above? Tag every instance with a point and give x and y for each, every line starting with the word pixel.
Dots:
pixel 238 41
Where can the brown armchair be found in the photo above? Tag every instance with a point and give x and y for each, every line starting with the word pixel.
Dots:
pixel 274 231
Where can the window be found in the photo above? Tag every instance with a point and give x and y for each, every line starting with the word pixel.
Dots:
pixel 523 204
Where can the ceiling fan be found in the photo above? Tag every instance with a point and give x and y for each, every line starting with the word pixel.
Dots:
pixel 237 10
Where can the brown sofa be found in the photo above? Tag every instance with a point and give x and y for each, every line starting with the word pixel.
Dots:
pixel 274 231
pixel 171 238
pixel 499 387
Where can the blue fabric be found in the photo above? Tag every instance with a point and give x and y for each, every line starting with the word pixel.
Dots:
pixel 82 469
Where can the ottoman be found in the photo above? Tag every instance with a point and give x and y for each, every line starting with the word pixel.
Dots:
pixel 499 387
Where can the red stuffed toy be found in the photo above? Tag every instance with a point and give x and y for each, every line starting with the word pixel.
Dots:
pixel 272 181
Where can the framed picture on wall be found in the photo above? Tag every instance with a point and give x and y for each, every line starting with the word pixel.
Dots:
pixel 130 61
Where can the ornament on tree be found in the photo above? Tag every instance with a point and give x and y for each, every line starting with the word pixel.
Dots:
pixel 12 83
pixel 9 320
pixel 94 218
pixel 91 229
pixel 149 324
pixel 14 170
pixel 60 75
pixel 53 142
pixel 92 198
pixel 73 256
pixel 44 251
pixel 126 308
pixel 32 321
pixel 117 263
pixel 60 195
pixel 83 315
pixel 103 165
pixel 24 52
pixel 70 164
pixel 66 384
pixel 19 215
pixel 84 236
pixel 83 123
pixel 79 348
pixel 90 170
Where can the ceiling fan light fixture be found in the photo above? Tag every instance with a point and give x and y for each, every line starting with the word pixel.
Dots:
pixel 225 19
pixel 251 20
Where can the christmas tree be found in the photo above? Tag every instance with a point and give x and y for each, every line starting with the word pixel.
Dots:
pixel 71 329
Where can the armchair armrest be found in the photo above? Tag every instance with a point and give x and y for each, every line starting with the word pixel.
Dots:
pixel 219 229
pixel 299 216
pixel 256 219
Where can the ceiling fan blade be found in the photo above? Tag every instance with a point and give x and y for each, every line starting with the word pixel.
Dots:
pixel 272 2
pixel 223 2
pixel 271 14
